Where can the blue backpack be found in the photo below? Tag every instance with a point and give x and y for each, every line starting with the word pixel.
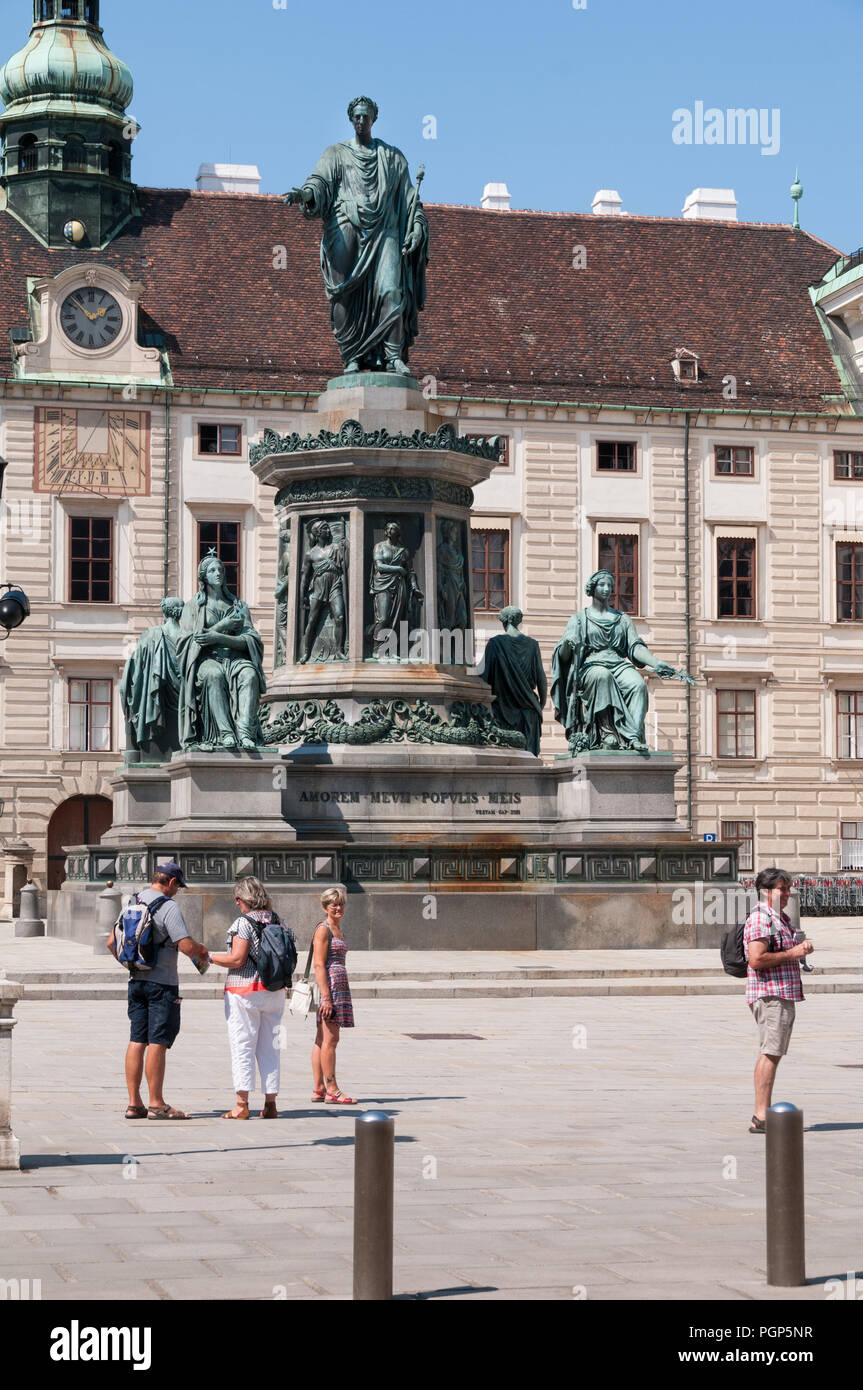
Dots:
pixel 134 941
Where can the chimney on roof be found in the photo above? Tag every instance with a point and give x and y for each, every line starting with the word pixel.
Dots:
pixel 719 204
pixel 229 178
pixel 607 202
pixel 497 197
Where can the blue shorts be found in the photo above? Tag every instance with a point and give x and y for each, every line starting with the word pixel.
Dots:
pixel 154 1012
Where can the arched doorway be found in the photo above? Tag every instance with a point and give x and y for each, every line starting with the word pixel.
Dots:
pixel 82 820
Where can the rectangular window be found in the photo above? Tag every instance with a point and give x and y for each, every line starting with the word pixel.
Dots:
pixel 219 439
pixel 847 466
pixel 687 369
pixel 224 538
pixel 851 845
pixel 849 712
pixel 490 570
pixel 727 461
pixel 614 456
pixel 90 559
pixel 90 707
pixel 735 569
pixel 743 831
pixel 735 723
pixel 849 583
pixel 619 555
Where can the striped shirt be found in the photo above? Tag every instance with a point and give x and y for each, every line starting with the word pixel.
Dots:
pixel 783 981
pixel 244 979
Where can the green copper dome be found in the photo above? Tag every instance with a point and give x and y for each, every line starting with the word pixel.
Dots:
pixel 65 67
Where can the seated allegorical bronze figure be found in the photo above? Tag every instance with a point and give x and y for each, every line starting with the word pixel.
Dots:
pixel 597 692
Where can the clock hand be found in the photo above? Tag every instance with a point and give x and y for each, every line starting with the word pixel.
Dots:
pixel 91 317
pixel 100 313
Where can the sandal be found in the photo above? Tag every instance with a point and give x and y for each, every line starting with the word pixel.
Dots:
pixel 757 1126
pixel 136 1112
pixel 269 1111
pixel 244 1114
pixel 339 1098
pixel 319 1094
pixel 167 1112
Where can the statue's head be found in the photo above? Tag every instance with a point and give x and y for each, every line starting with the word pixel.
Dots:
pixel 363 106
pixel 393 531
pixel 320 532
pixel 172 608
pixel 211 572
pixel 511 615
pixel 601 581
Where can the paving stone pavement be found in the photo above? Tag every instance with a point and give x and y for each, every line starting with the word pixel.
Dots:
pixel 590 1148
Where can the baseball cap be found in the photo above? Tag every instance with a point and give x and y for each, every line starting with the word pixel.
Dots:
pixel 172 870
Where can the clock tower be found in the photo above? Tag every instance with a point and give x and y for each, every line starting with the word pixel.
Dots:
pixel 66 138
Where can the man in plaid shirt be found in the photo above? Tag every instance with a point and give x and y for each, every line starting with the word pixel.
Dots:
pixel 772 981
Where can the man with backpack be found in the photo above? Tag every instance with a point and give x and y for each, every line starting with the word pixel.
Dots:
pixel 773 984
pixel 146 939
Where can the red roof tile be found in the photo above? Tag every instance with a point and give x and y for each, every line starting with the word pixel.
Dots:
pixel 508 316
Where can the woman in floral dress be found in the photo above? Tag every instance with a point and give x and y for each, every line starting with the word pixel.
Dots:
pixel 336 1011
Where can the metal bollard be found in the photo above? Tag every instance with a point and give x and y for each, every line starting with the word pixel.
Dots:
pixel 110 903
pixel 28 922
pixel 786 1254
pixel 374 1148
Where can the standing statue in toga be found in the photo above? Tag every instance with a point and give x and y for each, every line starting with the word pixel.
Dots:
pixel 375 245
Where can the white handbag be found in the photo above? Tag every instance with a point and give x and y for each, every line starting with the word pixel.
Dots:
pixel 305 995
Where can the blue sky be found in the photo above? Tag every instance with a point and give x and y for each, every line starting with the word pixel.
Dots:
pixel 555 101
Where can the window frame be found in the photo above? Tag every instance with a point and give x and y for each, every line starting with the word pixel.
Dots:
pixel 219 522
pixel 486 532
pixel 632 472
pixel 753 579
pixel 850 454
pixel 29 145
pixel 735 714
pixel 856 696
pixel 854 547
pixel 71 559
pixel 734 449
pixel 219 453
pixel 603 534
pixel 89 705
pixel 740 840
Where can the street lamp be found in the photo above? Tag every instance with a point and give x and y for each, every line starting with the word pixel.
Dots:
pixel 14 608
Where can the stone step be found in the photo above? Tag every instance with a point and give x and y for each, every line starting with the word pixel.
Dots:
pixel 565 986
pixel 365 977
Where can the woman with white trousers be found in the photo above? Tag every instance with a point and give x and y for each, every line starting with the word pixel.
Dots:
pixel 253 1012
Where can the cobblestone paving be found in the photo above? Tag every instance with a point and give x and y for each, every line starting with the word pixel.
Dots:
pixel 582 1148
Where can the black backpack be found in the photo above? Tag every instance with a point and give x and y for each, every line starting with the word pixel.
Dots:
pixel 732 952
pixel 274 952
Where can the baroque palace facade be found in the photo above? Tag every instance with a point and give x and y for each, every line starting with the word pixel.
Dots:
pixel 681 402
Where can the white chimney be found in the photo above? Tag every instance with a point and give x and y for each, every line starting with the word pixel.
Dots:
pixel 497 197
pixel 229 178
pixel 607 202
pixel 719 204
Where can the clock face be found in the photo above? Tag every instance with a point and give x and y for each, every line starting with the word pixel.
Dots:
pixel 91 318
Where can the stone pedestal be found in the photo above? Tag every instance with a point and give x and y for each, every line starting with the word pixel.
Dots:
pixel 383 767
pixel 378 456
pixel 10 1150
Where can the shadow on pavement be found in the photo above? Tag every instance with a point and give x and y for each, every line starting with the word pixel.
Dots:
pixel 445 1293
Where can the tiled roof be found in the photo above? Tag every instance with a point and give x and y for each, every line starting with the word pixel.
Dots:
pixel 508 315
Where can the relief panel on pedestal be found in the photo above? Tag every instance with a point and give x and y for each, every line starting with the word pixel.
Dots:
pixel 322 626
pixel 394 601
